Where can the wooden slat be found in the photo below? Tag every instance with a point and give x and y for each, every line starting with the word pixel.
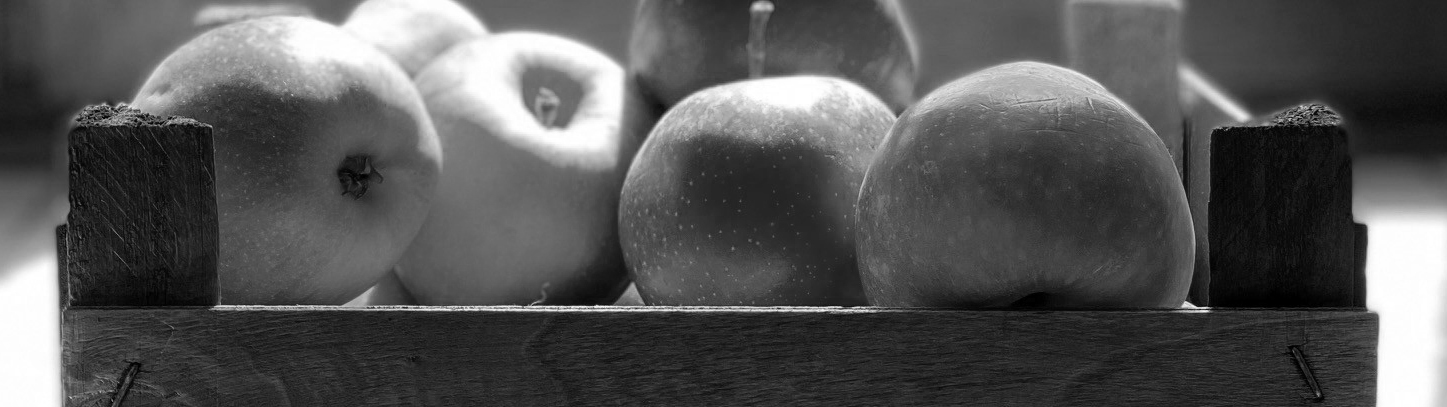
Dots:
pixel 142 228
pixel 1281 231
pixel 246 356
pixel 1206 107
pixel 1359 263
pixel 61 254
pixel 1133 48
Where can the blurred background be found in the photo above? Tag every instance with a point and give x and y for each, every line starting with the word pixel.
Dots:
pixel 1381 64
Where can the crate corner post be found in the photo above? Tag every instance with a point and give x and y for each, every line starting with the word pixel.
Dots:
pixel 142 226
pixel 1280 218
pixel 141 232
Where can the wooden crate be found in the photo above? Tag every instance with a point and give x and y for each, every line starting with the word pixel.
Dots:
pixel 141 325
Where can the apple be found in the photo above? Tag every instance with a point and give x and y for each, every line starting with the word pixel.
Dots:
pixel 538 132
pixel 325 158
pixel 1024 184
pixel 413 32
pixel 679 47
pixel 744 194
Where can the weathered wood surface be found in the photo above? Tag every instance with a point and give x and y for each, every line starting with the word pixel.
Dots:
pixel 1133 48
pixel 1359 263
pixel 61 254
pixel 300 356
pixel 142 228
pixel 1206 107
pixel 1280 217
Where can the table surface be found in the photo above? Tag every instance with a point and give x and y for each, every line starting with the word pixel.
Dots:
pixel 1402 200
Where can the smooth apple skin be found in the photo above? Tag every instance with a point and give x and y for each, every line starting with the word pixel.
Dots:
pixel 523 209
pixel 289 99
pixel 744 194
pixel 413 32
pixel 679 47
pixel 1020 179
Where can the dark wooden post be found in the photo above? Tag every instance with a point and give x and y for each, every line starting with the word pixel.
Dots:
pixel 142 229
pixel 1359 263
pixel 1280 222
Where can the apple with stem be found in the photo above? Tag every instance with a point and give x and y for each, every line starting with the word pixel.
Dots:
pixel 744 192
pixel 538 131
pixel 1024 184
pixel 679 47
pixel 413 32
pixel 326 160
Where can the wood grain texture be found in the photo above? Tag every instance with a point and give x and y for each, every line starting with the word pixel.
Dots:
pixel 1359 263
pixel 61 254
pixel 1133 48
pixel 1206 106
pixel 142 228
pixel 1280 217
pixel 300 356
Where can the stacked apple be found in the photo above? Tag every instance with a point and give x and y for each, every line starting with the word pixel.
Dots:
pixel 744 192
pixel 1020 185
pixel 330 169
pixel 1024 184
pixel 326 160
pixel 680 47
pixel 410 148
pixel 526 207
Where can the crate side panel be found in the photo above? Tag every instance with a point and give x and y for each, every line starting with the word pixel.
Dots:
pixel 299 356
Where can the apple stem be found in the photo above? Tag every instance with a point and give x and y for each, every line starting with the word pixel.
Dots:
pixel 758 20
pixel 356 174
pixel 545 106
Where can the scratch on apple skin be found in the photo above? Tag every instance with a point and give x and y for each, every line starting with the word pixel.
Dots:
pixel 1027 102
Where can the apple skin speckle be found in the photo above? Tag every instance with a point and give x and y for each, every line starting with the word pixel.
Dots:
pixel 766 185
pixel 1024 180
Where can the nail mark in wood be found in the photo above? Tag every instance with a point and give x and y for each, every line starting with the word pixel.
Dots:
pixel 128 377
pixel 1306 373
